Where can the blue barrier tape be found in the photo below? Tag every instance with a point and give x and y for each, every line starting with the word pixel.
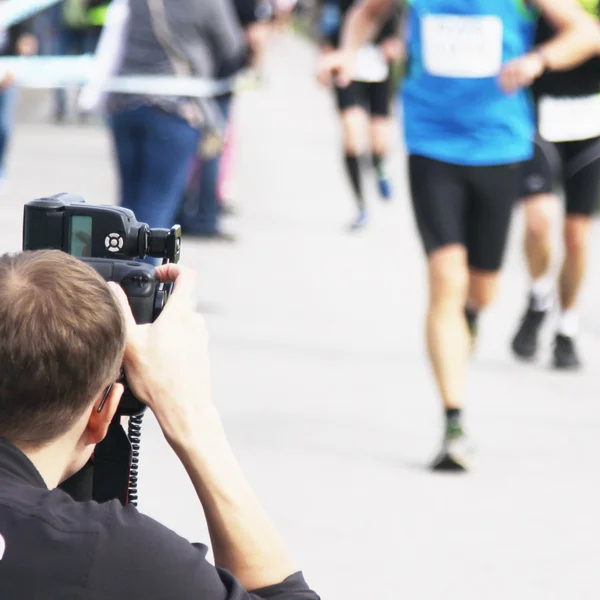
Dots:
pixel 15 11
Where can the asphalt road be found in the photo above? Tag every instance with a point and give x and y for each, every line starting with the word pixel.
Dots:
pixel 321 376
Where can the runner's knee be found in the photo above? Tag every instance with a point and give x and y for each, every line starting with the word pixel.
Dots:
pixel 352 121
pixel 482 289
pixel 538 219
pixel 576 234
pixel 380 134
pixel 449 277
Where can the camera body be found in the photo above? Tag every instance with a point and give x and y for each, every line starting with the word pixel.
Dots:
pixel 109 239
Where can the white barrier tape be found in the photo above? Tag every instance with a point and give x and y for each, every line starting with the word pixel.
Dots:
pixel 15 11
pixel 50 72
pixel 47 71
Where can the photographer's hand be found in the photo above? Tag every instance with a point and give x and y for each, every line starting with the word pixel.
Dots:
pixel 167 362
pixel 167 367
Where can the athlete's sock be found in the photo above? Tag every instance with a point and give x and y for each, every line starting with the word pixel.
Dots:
pixel 378 165
pixel 383 181
pixel 541 292
pixel 454 419
pixel 471 315
pixel 353 168
pixel 568 323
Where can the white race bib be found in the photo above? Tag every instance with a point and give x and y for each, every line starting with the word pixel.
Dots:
pixel 569 119
pixel 371 66
pixel 462 46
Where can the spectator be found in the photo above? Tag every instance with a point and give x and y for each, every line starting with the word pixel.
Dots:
pixel 81 25
pixel 202 205
pixel 156 136
pixel 17 40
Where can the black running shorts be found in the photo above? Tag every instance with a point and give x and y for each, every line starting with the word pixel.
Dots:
pixel 375 98
pixel 470 206
pixel 573 165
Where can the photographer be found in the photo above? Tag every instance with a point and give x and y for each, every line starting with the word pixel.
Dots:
pixel 155 136
pixel 63 337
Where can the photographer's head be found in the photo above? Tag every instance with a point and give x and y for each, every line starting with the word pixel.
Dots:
pixel 62 339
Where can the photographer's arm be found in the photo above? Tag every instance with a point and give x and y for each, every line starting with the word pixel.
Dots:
pixel 244 540
pixel 167 367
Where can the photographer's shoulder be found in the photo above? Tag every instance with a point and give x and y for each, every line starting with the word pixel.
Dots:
pixel 117 552
pixel 137 557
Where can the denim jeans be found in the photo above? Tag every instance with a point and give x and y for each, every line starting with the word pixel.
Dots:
pixel 153 149
pixel 200 210
pixel 8 98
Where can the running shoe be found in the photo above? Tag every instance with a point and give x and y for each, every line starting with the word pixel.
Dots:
pixel 456 453
pixel 525 342
pixel 360 221
pixel 385 188
pixel 565 353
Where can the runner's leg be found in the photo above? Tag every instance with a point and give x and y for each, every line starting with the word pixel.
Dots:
pixel 582 181
pixel 353 119
pixel 540 205
pixel 494 191
pixel 440 196
pixel 379 96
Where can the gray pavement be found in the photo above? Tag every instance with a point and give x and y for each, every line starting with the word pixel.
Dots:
pixel 320 373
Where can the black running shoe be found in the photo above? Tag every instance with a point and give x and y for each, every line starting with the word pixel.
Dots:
pixel 565 353
pixel 525 342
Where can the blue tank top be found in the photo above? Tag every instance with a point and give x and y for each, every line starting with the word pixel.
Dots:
pixel 454 108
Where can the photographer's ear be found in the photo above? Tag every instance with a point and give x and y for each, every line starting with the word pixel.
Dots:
pixel 103 413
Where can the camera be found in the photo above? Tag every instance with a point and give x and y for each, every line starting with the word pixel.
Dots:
pixel 112 241
pixel 109 239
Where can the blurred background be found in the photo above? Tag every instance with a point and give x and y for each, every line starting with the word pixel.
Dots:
pixel 319 365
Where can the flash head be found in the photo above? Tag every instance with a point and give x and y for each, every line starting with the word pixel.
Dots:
pixel 65 222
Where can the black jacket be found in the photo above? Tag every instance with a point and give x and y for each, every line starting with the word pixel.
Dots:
pixel 54 548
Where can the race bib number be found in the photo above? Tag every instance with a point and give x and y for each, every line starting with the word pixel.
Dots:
pixel 461 46
pixel 569 119
pixel 371 66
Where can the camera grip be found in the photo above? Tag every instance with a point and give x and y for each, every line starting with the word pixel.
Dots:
pixel 139 284
pixel 141 287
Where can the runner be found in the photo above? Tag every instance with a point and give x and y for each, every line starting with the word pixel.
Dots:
pixel 469 126
pixel 366 100
pixel 569 121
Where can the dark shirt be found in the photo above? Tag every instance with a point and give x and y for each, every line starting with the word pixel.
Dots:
pixel 336 10
pixel 247 11
pixel 583 80
pixel 247 14
pixel 54 548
